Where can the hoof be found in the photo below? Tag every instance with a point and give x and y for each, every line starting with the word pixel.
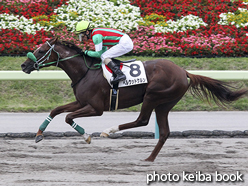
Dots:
pixel 149 159
pixel 38 138
pixel 88 140
pixel 104 135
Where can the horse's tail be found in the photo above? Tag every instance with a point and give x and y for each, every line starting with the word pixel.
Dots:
pixel 208 88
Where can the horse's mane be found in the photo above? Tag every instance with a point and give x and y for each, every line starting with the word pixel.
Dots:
pixel 76 48
pixel 70 45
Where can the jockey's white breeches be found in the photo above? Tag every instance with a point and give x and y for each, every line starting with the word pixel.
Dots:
pixel 124 46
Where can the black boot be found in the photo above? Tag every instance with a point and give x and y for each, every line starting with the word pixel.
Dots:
pixel 119 74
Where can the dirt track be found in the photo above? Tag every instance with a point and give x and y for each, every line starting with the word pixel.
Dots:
pixel 118 161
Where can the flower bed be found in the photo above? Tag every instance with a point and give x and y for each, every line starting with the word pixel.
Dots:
pixel 122 16
pixel 208 10
pixel 217 42
pixel 15 42
pixel 195 28
pixel 29 8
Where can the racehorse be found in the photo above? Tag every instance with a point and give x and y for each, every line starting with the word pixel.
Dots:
pixel 167 84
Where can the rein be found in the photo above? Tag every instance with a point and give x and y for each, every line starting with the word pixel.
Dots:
pixel 40 63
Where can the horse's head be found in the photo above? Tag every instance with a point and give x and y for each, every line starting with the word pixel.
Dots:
pixel 43 56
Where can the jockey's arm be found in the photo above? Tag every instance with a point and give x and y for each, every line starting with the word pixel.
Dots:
pixel 99 48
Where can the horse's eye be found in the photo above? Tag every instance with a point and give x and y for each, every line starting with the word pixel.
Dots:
pixel 41 51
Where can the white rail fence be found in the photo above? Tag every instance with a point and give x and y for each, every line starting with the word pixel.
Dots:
pixel 61 75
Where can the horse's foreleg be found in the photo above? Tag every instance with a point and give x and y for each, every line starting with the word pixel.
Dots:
pixel 164 131
pixel 88 110
pixel 142 120
pixel 65 108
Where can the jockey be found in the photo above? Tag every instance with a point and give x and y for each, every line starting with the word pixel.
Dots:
pixel 119 44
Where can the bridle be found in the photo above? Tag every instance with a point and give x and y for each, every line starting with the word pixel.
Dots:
pixel 40 63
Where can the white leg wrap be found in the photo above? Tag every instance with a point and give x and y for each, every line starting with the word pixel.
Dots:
pixel 87 138
pixel 113 129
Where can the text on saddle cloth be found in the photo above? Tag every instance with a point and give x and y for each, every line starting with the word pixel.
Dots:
pixel 134 71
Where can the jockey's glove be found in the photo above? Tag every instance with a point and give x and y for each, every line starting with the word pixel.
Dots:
pixel 82 52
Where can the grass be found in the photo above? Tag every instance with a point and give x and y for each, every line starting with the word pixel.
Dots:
pixel 43 96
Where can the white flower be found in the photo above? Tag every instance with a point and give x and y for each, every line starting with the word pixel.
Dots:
pixel 183 24
pixel 102 13
pixel 98 12
pixel 224 18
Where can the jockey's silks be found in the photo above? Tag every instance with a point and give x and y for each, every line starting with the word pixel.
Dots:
pixel 108 36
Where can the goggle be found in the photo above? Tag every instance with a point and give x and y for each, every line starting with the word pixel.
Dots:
pixel 81 35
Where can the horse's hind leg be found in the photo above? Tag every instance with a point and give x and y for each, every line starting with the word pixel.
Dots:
pixel 164 130
pixel 162 112
pixel 71 107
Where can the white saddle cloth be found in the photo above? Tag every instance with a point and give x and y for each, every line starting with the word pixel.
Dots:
pixel 134 71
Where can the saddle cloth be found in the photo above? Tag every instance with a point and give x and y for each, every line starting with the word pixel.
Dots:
pixel 134 71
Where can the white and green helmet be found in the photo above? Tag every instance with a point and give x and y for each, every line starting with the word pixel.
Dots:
pixel 83 26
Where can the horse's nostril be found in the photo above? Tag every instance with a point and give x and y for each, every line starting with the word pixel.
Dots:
pixel 23 66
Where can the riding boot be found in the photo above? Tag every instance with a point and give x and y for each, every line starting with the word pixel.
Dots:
pixel 119 74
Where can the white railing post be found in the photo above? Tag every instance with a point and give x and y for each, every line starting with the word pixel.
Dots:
pixel 156 136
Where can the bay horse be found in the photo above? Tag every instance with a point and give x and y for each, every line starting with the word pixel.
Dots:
pixel 167 84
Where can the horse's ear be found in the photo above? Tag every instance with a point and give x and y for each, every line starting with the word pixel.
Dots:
pixel 55 39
